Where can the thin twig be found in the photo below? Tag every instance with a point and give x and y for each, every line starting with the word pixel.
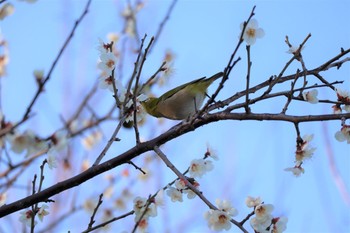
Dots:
pixel 246 218
pixel 136 91
pixel 290 95
pixel 109 221
pixel 268 82
pixel 249 65
pixel 137 167
pixel 92 221
pixel 160 69
pixel 163 22
pixel 148 203
pixel 48 76
pixel 191 186
pixel 110 141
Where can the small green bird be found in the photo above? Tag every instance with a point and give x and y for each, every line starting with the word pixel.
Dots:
pixel 182 101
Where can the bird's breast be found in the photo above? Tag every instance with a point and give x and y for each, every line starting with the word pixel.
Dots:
pixel 181 105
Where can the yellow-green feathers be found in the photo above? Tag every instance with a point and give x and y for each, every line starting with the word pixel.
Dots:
pixel 182 101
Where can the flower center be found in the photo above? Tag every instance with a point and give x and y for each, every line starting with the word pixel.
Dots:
pixel 222 219
pixel 110 63
pixel 251 32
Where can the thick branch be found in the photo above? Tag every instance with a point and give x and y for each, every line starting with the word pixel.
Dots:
pixel 174 132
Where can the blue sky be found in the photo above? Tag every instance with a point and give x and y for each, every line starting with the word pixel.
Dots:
pixel 202 34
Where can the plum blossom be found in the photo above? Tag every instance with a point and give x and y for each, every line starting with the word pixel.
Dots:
pixel 140 208
pixel 140 111
pixel 211 153
pixel 182 187
pixel 280 224
pixel 263 217
pixel 252 32
pixel 59 141
pixel 102 47
pixel 261 225
pixel 26 141
pixel 199 167
pixel 343 134
pixel 42 212
pixel 51 161
pixel 263 211
pixel 297 170
pixel 227 207
pixel 107 63
pixel 252 202
pixel 304 151
pixel 143 225
pixel 6 10
pixel 336 109
pixel 26 217
pixel 218 220
pixel 311 96
pixel 174 194
pixel 344 96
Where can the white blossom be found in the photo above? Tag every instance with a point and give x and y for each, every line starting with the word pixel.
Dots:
pixel 304 150
pixel 140 205
pixel 343 134
pixel 59 140
pixel 263 211
pixel 296 170
pixel 311 96
pixel 26 217
pixel 43 212
pixel 252 32
pixel 280 225
pixel 252 202
pixel 107 63
pixel 51 161
pixel 344 96
pixel 211 153
pixel 261 224
pixel 218 220
pixel 140 111
pixel 226 206
pixel 6 10
pixel 199 167
pixel 174 194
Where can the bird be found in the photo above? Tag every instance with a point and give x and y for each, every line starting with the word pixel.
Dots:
pixel 181 102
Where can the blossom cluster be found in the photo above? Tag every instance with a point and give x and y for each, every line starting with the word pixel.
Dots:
pixel 198 167
pixel 219 219
pixel 31 144
pixel 263 221
pixel 28 216
pixel 303 152
pixel 344 97
pixel 107 64
pixel 145 208
pixel 129 15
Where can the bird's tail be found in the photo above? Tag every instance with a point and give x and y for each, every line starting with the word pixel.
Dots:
pixel 215 76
